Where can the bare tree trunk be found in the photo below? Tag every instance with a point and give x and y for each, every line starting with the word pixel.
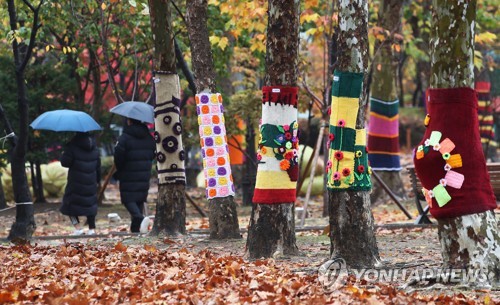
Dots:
pixel 383 142
pixel 272 224
pixel 170 215
pixel 351 221
pixel 470 241
pixel 24 226
pixel 223 219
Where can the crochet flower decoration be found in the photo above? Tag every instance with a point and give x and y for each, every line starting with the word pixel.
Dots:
pixel 452 178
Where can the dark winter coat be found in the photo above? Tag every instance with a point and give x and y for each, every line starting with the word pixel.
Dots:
pixel 82 158
pixel 134 153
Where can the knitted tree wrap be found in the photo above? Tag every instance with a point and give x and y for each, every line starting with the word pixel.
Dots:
pixel 383 135
pixel 214 149
pixel 278 167
pixel 485 113
pixel 170 153
pixel 449 161
pixel 347 168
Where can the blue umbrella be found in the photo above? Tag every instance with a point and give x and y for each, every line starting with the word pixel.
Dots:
pixel 65 120
pixel 135 110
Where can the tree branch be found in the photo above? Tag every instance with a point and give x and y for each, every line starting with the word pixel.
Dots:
pixel 311 94
pixel 34 29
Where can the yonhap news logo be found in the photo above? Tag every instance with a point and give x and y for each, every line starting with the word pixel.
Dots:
pixel 334 274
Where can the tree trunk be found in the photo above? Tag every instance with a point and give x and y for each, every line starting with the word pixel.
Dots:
pixel 40 196
pixel 272 225
pixel 351 221
pixel 470 241
pixel 383 132
pixel 24 226
pixel 250 169
pixel 3 202
pixel 423 67
pixel 170 215
pixel 223 219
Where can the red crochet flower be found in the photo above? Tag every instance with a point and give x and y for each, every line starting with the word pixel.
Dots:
pixel 329 110
pixel 339 155
pixel 331 137
pixel 346 172
pixel 289 155
pixel 361 168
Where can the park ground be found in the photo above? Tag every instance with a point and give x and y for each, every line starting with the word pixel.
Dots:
pixel 124 268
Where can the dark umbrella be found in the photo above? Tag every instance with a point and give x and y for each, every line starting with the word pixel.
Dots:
pixel 135 110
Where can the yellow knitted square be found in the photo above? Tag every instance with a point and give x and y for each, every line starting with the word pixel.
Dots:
pixel 344 109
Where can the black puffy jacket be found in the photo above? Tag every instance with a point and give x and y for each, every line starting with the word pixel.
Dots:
pixel 134 154
pixel 82 158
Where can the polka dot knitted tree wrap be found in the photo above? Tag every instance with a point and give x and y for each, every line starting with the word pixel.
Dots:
pixel 449 161
pixel 383 135
pixel 214 149
pixel 485 113
pixel 170 153
pixel 278 168
pixel 347 167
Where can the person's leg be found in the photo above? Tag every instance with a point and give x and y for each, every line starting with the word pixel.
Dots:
pixel 91 223
pixel 76 223
pixel 135 214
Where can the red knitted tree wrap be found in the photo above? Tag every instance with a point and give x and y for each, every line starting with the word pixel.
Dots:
pixel 453 112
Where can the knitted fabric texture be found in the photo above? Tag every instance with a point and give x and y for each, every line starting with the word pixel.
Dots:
pixel 214 149
pixel 278 168
pixel 485 113
pixel 383 135
pixel 449 161
pixel 347 167
pixel 170 153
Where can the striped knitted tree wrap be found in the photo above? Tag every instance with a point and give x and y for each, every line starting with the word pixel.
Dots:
pixel 485 113
pixel 278 168
pixel 347 167
pixel 214 149
pixel 383 135
pixel 449 160
pixel 170 153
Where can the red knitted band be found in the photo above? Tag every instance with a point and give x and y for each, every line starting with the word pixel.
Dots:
pixel 270 196
pixel 483 86
pixel 390 145
pixel 285 95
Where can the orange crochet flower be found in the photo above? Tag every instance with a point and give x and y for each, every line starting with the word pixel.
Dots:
pixel 285 165
pixel 215 119
pixel 212 192
pixel 263 150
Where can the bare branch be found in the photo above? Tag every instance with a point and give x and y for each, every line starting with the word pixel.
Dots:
pixel 34 29
pixel 311 94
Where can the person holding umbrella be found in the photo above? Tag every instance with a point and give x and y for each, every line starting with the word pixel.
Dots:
pixel 80 197
pixel 82 158
pixel 133 156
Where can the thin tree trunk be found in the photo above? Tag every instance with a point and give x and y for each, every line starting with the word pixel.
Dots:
pixel 223 219
pixel 170 215
pixel 272 226
pixel 469 241
pixel 24 226
pixel 351 221
pixel 384 151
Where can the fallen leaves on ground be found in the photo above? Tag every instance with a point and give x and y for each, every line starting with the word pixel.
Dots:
pixel 110 274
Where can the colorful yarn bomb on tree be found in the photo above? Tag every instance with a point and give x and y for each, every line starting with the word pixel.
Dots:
pixel 215 153
pixel 278 168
